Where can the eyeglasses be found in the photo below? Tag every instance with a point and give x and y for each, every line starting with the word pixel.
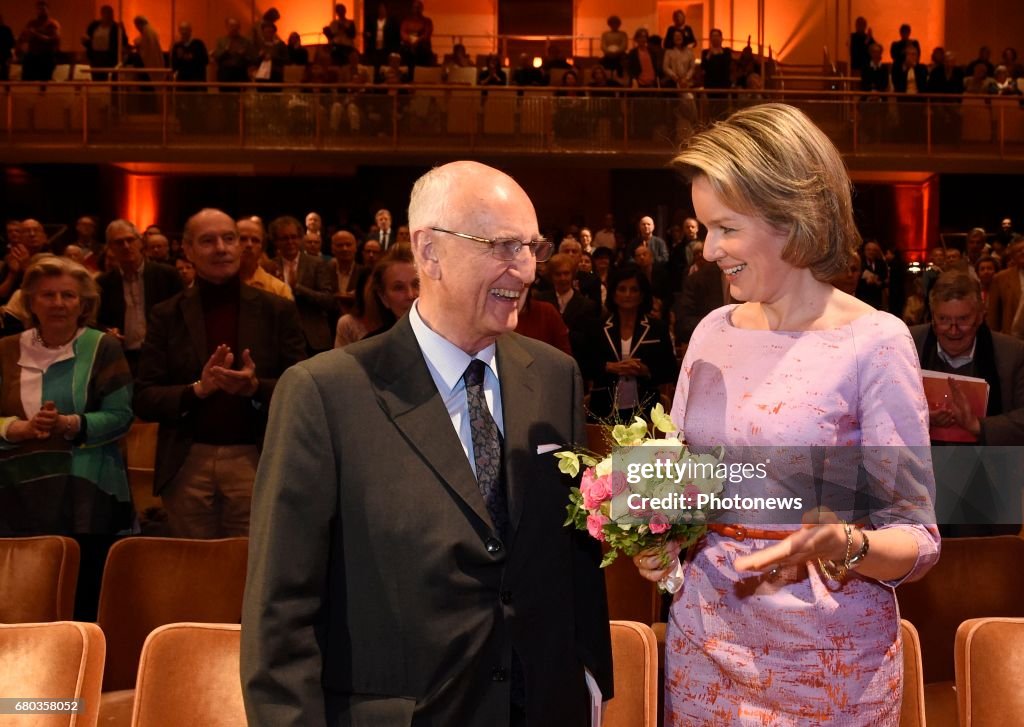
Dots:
pixel 508 248
pixel 945 323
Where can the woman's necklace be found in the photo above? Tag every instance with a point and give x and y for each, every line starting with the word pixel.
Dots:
pixel 38 338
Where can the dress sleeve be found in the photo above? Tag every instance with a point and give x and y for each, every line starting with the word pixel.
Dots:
pixel 893 416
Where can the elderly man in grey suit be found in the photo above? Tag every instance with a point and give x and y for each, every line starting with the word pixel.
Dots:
pixel 408 563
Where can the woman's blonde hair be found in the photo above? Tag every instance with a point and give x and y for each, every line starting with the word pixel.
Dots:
pixel 52 266
pixel 771 161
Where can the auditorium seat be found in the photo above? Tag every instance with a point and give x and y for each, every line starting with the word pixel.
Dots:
pixel 912 712
pixel 149 582
pixel 974 578
pixel 38 578
pixel 990 672
pixel 60 660
pixel 189 675
pixel 635 663
pixel 140 461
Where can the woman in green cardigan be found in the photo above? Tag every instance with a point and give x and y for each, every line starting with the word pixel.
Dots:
pixel 65 401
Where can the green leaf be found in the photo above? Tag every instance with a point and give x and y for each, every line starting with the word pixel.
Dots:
pixel 568 463
pixel 609 558
pixel 588 461
pixel 662 421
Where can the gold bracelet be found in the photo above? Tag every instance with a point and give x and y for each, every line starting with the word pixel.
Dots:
pixel 861 554
pixel 837 571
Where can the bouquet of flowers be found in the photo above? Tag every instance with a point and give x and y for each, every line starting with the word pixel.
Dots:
pixel 644 493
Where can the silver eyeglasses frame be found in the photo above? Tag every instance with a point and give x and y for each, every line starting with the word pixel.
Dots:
pixel 507 248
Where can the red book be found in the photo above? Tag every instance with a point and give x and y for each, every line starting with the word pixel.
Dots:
pixel 936 391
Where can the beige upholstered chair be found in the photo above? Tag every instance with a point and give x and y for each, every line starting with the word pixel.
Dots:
pixel 990 671
pixel 58 660
pixel 912 711
pixel 635 660
pixel 150 582
pixel 188 675
pixel 37 578
pixel 974 578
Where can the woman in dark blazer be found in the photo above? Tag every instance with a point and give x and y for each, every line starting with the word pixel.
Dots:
pixel 631 360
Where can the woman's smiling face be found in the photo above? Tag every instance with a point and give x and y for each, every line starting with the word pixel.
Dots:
pixel 747 249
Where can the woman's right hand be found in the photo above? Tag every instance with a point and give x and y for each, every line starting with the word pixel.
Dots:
pixel 656 563
pixel 22 431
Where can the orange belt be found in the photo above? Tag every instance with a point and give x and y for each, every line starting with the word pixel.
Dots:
pixel 741 532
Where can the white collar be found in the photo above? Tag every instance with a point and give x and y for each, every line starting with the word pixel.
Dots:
pixel 34 355
pixel 446 361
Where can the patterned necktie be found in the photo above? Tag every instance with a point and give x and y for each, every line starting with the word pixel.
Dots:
pixel 486 448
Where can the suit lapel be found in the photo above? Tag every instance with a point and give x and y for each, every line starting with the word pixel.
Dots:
pixel 192 312
pixel 408 395
pixel 645 327
pixel 518 409
pixel 249 321
pixel 610 329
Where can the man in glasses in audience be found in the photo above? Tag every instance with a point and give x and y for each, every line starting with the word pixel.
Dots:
pixel 408 561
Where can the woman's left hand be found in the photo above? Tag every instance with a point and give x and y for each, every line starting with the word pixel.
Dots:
pixel 827 542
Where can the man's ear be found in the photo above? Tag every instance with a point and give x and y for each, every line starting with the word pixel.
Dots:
pixel 425 250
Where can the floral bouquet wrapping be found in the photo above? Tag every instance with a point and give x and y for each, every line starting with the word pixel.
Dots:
pixel 644 493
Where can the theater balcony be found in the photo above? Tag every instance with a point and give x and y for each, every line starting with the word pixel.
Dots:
pixel 93 122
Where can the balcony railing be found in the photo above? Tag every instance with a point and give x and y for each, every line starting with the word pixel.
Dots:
pixel 486 120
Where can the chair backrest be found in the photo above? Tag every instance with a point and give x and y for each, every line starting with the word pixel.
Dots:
pixel 428 74
pixel 37 578
pixel 149 582
pixel 61 660
pixel 462 76
pixel 974 578
pixel 912 710
pixel 990 671
pixel 635 660
pixel 189 675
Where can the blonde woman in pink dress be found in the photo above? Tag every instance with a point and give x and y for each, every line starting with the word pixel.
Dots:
pixel 790 625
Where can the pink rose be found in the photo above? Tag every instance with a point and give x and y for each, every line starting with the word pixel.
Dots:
pixel 618 483
pixel 658 523
pixel 595 525
pixel 690 493
pixel 595 490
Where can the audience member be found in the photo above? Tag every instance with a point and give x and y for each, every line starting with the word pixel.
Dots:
pixel 186 271
pixel 860 41
pixel 850 278
pixel 657 276
pixel 614 42
pixel 875 76
pixel 984 59
pixel 384 233
pixel 716 62
pixel 688 39
pixel 310 280
pixel 1005 85
pixel 341 34
pixel 382 36
pixel 579 312
pixel 251 239
pixel 147 45
pixel 631 359
pixel 959 342
pixel 910 77
pixel 211 360
pixel 1005 292
pixel 946 77
pixel 898 48
pixel 189 57
pixel 130 288
pixel 644 63
pixel 370 253
pixel 297 55
pixel 157 249
pixel 234 55
pixel 348 274
pixel 607 236
pixel 647 238
pixel 104 41
pixel 312 245
pixel 7 45
pixel 703 291
pixel 986 267
pixel 679 61
pixel 393 287
pixel 525 74
pixel 271 56
pixel 979 82
pixel 39 43
pixel 874 278
pixel 416 32
pixel 492 74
